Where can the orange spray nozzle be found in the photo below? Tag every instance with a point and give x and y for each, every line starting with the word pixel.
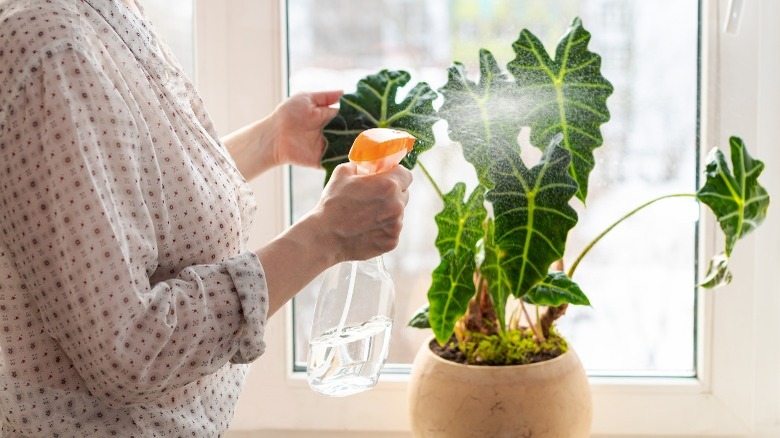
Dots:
pixel 380 149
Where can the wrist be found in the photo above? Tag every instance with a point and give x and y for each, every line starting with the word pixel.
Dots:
pixel 266 137
pixel 318 240
pixel 253 147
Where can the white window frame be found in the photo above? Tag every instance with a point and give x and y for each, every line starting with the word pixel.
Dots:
pixel 240 71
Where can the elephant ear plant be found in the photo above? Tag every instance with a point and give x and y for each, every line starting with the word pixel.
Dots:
pixel 502 244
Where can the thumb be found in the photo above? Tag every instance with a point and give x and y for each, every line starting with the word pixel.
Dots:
pixel 326 98
pixel 344 170
pixel 327 113
pixel 322 101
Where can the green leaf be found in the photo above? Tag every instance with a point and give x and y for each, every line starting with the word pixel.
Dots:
pixel 420 318
pixel 459 222
pixel 737 200
pixel 569 96
pixel 532 214
pixel 460 227
pixel 492 269
pixel 452 287
pixel 718 273
pixel 374 105
pixel 555 289
pixel 481 116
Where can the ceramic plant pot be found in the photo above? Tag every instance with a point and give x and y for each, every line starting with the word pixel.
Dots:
pixel 549 399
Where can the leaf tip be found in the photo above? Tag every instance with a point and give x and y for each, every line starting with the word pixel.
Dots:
pixel 718 273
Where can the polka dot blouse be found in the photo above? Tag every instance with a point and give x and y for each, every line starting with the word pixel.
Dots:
pixel 129 305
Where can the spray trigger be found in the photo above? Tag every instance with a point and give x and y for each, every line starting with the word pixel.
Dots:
pixel 378 150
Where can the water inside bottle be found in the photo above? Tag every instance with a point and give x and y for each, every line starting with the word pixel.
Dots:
pixel 349 362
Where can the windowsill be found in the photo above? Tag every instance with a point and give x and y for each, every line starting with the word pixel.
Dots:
pixel 347 434
pixel 314 434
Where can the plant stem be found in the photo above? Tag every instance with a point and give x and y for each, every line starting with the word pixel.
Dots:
pixel 593 242
pixel 430 179
pixel 514 319
pixel 531 324
pixel 538 323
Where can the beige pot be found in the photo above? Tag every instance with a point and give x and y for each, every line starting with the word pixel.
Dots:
pixel 544 400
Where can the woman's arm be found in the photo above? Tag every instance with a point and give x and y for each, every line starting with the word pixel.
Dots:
pixel 290 135
pixel 358 217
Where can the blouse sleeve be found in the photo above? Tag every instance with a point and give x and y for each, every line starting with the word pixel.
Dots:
pixel 72 213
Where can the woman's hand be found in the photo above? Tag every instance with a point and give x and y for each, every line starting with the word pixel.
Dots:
pixel 362 215
pixel 292 134
pixel 298 124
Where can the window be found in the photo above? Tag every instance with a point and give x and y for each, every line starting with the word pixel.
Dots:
pixel 736 390
pixel 642 290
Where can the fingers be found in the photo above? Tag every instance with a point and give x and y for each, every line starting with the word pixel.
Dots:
pixel 326 114
pixel 343 170
pixel 326 98
pixel 405 197
pixel 393 183
pixel 322 101
pixel 299 121
pixel 403 176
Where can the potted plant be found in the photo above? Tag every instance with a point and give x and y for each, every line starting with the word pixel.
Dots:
pixel 496 365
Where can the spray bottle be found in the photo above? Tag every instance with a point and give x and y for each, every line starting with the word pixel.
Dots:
pixel 353 317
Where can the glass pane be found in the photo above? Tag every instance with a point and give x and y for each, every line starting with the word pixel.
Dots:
pixel 173 20
pixel 640 279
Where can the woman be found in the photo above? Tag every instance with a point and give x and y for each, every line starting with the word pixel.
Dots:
pixel 129 304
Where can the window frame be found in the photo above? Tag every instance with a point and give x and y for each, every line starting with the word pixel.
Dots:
pixel 737 389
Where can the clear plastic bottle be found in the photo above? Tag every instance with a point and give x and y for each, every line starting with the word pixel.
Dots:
pixel 350 334
pixel 353 317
